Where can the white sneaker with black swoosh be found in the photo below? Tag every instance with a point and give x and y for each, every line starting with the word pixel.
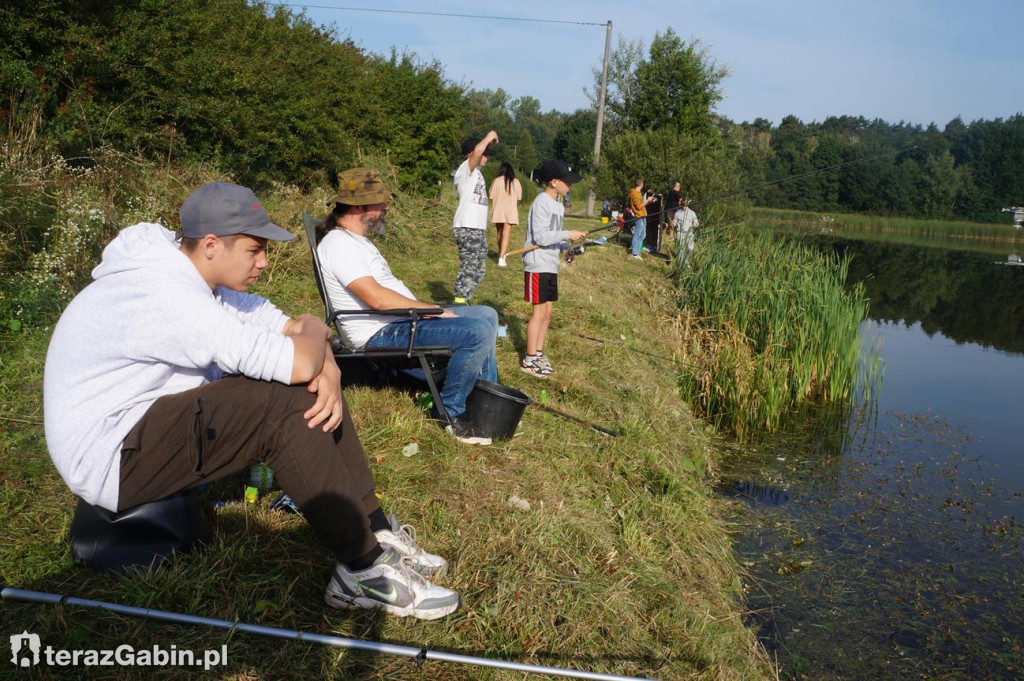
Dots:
pixel 392 585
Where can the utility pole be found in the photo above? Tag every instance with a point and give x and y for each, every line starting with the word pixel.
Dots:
pixel 600 112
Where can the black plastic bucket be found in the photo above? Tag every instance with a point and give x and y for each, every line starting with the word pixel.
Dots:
pixel 494 410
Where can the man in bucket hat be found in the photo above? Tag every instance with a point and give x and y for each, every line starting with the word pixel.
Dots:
pixel 164 374
pixel 356 275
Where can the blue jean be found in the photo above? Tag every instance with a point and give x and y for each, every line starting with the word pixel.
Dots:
pixel 639 234
pixel 471 337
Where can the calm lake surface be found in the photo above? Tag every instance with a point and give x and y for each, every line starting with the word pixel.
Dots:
pixel 889 543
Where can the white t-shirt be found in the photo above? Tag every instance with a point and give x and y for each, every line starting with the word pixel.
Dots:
pixel 472 193
pixel 345 257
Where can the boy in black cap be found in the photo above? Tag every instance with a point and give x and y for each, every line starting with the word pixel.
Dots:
pixel 469 227
pixel 545 229
pixel 164 374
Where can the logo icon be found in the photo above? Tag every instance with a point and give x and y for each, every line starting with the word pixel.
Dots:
pixel 25 649
pixel 389 596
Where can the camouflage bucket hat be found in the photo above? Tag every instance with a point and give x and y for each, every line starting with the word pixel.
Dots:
pixel 361 187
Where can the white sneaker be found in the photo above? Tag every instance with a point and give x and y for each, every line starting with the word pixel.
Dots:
pixel 403 538
pixel 390 584
pixel 544 364
pixel 502 263
pixel 532 367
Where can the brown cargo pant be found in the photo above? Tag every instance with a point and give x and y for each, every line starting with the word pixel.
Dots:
pixel 223 427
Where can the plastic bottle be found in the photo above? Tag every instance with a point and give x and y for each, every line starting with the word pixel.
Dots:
pixel 261 476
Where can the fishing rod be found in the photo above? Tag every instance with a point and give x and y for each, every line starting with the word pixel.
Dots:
pixel 557 412
pixel 798 176
pixel 535 247
pixel 421 655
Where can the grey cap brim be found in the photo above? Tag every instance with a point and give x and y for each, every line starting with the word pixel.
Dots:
pixel 271 232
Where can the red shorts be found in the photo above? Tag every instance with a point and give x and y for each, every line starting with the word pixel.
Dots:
pixel 541 287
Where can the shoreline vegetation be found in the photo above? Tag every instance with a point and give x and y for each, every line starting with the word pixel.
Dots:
pixel 959 234
pixel 622 564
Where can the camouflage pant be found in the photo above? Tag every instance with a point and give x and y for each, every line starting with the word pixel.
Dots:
pixel 472 245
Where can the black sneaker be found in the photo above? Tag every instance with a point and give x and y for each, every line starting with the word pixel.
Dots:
pixel 463 433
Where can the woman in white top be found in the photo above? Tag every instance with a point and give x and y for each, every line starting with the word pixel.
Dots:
pixel 505 194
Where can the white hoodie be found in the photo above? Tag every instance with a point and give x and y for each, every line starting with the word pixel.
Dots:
pixel 147 326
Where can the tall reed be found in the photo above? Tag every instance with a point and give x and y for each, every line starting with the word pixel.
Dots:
pixel 778 328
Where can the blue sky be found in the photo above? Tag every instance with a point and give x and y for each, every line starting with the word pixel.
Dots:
pixel 912 60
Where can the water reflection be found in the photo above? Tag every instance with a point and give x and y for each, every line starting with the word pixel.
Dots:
pixel 899 552
pixel 956 293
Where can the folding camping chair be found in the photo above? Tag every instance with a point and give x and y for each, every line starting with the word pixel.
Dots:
pixel 430 359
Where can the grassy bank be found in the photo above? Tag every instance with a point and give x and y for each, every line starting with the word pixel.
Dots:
pixel 963 234
pixel 621 563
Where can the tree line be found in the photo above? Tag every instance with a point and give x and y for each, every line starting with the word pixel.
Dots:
pixel 964 171
pixel 270 96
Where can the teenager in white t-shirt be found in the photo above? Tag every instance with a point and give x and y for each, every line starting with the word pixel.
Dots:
pixel 470 224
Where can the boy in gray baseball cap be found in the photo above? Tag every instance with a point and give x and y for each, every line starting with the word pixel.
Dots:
pixel 164 374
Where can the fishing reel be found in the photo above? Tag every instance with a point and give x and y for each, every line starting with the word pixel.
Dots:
pixel 570 252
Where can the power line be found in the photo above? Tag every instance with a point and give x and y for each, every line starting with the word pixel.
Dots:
pixel 433 14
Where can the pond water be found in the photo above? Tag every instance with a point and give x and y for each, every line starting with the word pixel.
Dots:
pixel 888 543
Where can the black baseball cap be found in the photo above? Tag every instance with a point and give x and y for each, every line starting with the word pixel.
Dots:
pixel 557 169
pixel 225 209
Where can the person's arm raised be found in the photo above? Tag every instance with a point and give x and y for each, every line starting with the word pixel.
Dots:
pixel 480 149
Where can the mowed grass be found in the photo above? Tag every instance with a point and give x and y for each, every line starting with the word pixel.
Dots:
pixel 621 564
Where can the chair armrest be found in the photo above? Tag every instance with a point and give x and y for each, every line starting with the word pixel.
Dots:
pixel 413 313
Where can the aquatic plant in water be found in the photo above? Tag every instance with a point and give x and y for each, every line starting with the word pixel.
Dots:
pixel 777 328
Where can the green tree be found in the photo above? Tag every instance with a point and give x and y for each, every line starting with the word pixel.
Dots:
pixel 705 165
pixel 525 154
pixel 678 86
pixel 408 110
pixel 574 141
pixel 621 87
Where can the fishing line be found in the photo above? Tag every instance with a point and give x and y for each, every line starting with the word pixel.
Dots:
pixel 435 14
pixel 790 178
pixel 642 352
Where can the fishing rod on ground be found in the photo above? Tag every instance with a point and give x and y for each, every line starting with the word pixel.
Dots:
pixel 557 412
pixel 420 655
